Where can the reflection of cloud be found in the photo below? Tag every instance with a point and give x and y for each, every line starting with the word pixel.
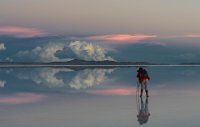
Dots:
pixel 50 78
pixel 76 49
pixel 2 46
pixel 89 78
pixel 2 83
pixel 21 32
pixel 45 76
pixel 21 98
pixel 114 91
pixel 122 37
pixel 119 91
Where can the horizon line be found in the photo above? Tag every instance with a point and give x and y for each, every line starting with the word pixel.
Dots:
pixel 139 65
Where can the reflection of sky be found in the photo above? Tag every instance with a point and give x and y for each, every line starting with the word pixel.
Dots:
pixel 63 79
pixel 99 97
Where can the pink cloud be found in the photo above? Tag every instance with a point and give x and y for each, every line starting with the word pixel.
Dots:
pixel 21 32
pixel 115 91
pixel 122 37
pixel 21 98
pixel 125 91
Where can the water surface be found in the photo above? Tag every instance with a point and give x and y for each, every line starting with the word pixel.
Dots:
pixel 49 97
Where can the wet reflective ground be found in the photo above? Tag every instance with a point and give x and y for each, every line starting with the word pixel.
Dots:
pixel 49 97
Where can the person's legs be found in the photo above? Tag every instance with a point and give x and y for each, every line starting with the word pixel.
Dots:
pixel 142 87
pixel 146 89
pixel 141 92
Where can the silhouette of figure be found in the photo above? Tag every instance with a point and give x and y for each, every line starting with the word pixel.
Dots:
pixel 143 79
pixel 143 111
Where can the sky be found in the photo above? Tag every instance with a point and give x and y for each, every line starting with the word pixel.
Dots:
pixel 103 30
pixel 75 17
pixel 155 31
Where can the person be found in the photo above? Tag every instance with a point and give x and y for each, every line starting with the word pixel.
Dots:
pixel 143 113
pixel 143 79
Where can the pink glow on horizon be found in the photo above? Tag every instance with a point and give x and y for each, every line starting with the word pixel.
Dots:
pixel 21 98
pixel 21 32
pixel 116 91
pixel 122 37
pixel 126 91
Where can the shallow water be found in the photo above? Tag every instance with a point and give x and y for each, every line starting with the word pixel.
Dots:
pixel 49 97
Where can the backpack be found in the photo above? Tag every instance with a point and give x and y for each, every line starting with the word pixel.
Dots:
pixel 144 73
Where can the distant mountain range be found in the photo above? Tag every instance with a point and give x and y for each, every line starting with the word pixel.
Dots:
pixel 79 63
pixel 105 62
pixel 76 62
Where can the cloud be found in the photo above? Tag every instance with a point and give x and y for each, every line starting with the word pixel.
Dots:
pixel 77 80
pixel 21 98
pixel 89 51
pixel 2 46
pixel 120 91
pixel 43 53
pixel 45 76
pixel 122 37
pixel 2 83
pixel 114 91
pixel 66 51
pixel 21 32
pixel 89 78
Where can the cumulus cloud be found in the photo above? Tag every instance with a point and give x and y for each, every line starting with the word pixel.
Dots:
pixel 2 46
pixel 21 32
pixel 81 80
pixel 67 51
pixel 122 37
pixel 43 53
pixel 89 78
pixel 2 83
pixel 89 51
pixel 21 98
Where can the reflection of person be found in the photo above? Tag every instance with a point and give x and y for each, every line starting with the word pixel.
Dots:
pixel 143 79
pixel 143 113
